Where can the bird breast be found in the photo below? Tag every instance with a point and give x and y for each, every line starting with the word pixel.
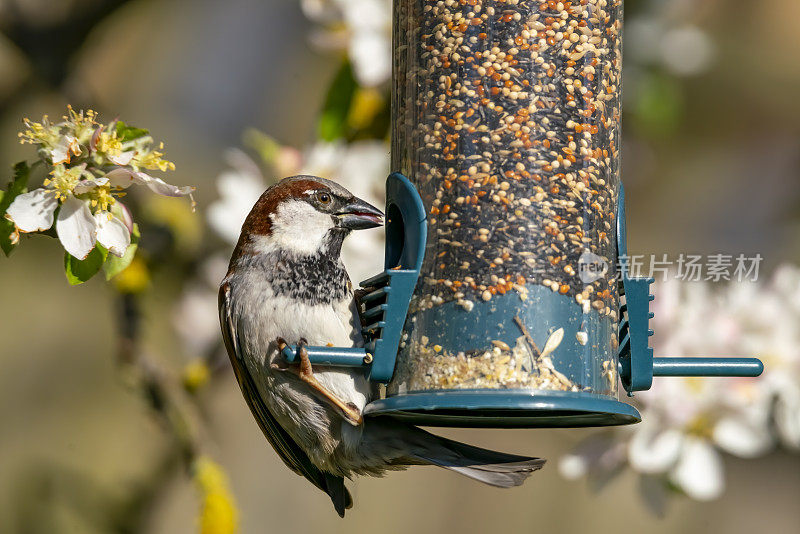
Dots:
pixel 262 316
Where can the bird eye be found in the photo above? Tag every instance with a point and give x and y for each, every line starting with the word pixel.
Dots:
pixel 324 198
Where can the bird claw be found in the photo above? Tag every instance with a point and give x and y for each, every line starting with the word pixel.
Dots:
pixel 280 366
pixel 348 410
pixel 352 415
pixel 282 344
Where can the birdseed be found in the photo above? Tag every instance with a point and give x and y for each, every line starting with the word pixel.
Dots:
pixel 497 368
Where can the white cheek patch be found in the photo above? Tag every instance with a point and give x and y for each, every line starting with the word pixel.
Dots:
pixel 298 227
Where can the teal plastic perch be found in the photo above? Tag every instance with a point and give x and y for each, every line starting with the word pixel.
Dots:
pixel 749 367
pixel 333 356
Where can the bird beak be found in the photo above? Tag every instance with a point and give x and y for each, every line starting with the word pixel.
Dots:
pixel 359 215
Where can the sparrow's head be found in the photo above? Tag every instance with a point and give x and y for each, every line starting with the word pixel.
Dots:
pixel 305 215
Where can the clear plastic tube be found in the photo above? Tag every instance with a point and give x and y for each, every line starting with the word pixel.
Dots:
pixel 506 118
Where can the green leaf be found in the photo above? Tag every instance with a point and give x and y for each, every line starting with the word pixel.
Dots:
pixel 114 265
pixel 333 119
pixel 79 271
pixel 266 146
pixel 659 107
pixel 129 133
pixel 16 187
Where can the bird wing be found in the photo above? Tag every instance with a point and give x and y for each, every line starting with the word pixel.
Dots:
pixel 288 450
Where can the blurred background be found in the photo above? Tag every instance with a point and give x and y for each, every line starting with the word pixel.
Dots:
pixel 710 163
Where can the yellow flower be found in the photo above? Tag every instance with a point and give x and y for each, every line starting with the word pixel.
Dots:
pixel 64 180
pixel 40 133
pixel 195 375
pixel 108 143
pixel 218 514
pixel 102 198
pixel 367 103
pixel 702 426
pixel 152 159
pixel 77 127
pixel 179 218
pixel 82 123
pixel 134 279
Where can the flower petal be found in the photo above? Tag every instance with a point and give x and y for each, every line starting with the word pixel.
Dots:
pixel 60 153
pixel 122 159
pixel 95 137
pixel 76 228
pixel 787 415
pixel 122 178
pixel 370 51
pixel 159 186
pixel 87 185
pixel 195 319
pixel 699 471
pixel 652 450
pixel 573 466
pixel 124 215
pixel 238 192
pixel 33 211
pixel 73 145
pixel 599 456
pixel 743 436
pixel 66 147
pixel 112 234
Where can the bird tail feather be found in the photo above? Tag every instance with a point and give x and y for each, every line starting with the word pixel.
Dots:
pixel 494 468
pixel 340 497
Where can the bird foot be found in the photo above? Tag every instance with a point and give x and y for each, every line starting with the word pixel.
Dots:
pixel 305 372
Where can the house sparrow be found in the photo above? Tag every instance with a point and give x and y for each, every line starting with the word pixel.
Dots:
pixel 286 283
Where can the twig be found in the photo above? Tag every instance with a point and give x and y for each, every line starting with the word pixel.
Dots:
pixel 528 336
pixel 155 384
pixel 535 353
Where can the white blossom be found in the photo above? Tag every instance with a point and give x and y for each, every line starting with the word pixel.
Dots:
pixel 33 211
pixel 688 423
pixel 699 472
pixel 90 165
pixel 76 227
pixel 112 233
pixel 239 187
pixel 363 28
pixel 660 35
pixel 196 317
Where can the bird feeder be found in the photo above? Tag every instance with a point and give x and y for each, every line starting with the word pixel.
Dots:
pixel 506 299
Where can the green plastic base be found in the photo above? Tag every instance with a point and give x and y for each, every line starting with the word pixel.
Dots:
pixel 505 409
